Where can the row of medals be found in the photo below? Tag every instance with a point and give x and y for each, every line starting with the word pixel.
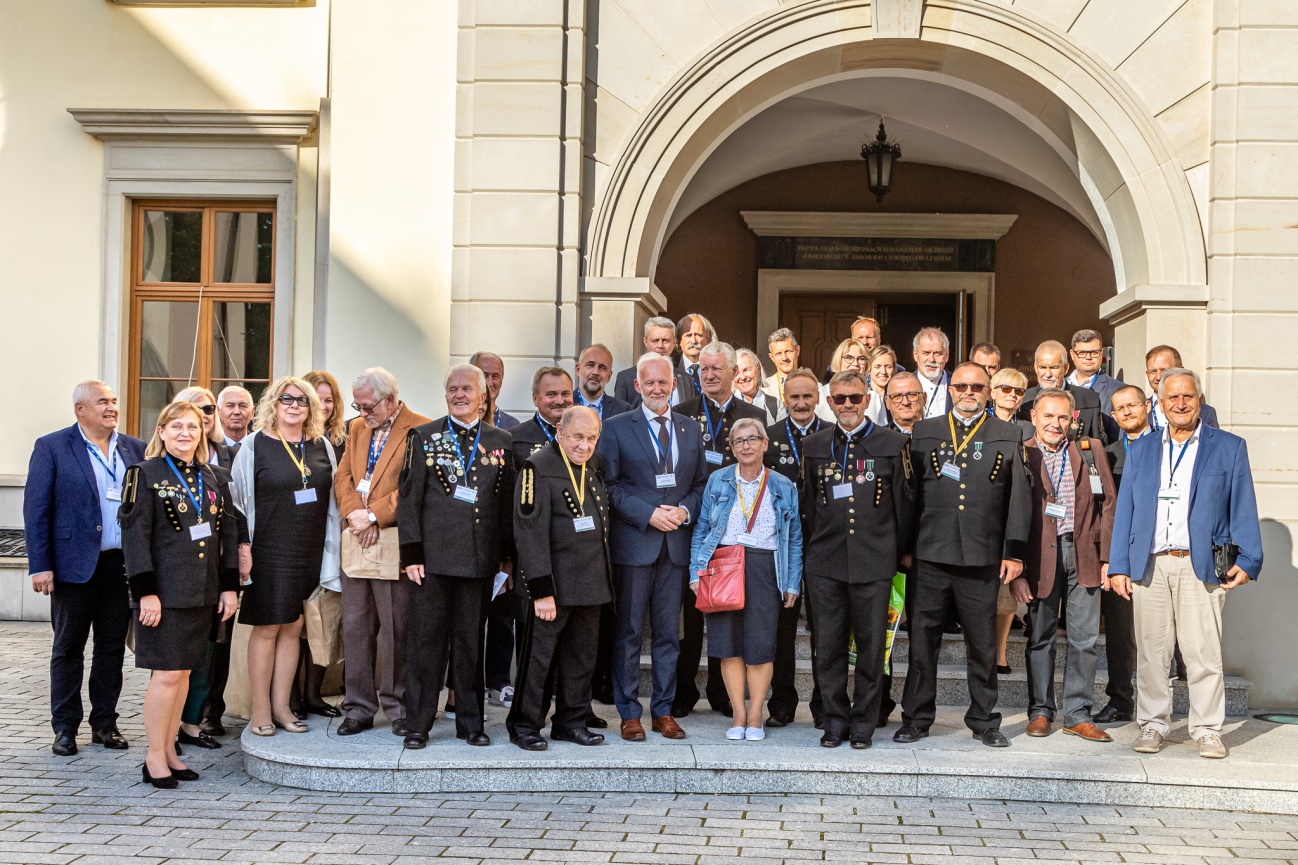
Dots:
pixel 861 477
pixel 977 451
pixel 451 461
pixel 181 505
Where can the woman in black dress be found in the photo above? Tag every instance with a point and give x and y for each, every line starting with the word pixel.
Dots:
pixel 283 482
pixel 181 550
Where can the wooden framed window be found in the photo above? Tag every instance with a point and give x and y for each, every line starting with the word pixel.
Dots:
pixel 202 301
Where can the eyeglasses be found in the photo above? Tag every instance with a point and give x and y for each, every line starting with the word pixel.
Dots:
pixel 1008 389
pixel 849 360
pixel 746 442
pixel 208 410
pixel 365 409
pixel 289 399
pixel 843 398
pixel 1088 353
pixel 906 396
pixel 971 386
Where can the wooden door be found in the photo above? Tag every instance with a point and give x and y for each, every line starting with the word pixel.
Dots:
pixel 821 322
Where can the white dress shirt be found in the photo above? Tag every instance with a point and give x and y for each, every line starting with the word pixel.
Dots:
pixel 651 418
pixel 935 395
pixel 1172 525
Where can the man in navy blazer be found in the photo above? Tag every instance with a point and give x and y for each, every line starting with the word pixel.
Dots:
pixel 655 472
pixel 74 555
pixel 1184 492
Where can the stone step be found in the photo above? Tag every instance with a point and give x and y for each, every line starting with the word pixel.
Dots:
pixel 953 689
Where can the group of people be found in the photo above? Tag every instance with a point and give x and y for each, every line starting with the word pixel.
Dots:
pixel 519 560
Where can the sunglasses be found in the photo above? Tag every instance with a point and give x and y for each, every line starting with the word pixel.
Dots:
pixel 972 387
pixel 208 410
pixel 1008 389
pixel 289 399
pixel 844 398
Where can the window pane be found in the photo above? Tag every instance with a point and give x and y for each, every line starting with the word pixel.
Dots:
pixel 172 247
pixel 154 396
pixel 240 340
pixel 243 247
pixel 168 329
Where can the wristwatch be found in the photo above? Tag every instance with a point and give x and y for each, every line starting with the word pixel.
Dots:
pixel 373 518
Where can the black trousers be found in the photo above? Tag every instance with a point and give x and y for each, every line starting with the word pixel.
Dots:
pixel 103 605
pixel 558 659
pixel 784 689
pixel 972 592
pixel 445 614
pixel 841 610
pixel 601 685
pixel 1120 649
pixel 502 611
pixel 687 666
pixel 218 675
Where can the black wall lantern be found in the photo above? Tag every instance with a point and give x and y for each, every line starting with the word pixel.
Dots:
pixel 880 158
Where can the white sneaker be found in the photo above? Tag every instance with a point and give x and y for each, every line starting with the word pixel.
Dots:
pixel 735 733
pixel 1211 746
pixel 503 697
pixel 754 734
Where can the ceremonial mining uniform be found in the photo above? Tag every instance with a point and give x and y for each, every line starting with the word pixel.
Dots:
pixel 975 510
pixel 716 422
pixel 784 455
pixel 561 534
pixel 858 498
pixel 181 544
pixel 454 517
pixel 530 436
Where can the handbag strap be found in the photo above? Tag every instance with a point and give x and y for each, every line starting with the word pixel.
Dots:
pixel 761 494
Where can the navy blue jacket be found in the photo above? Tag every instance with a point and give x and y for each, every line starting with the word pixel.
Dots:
pixel 630 469
pixel 61 513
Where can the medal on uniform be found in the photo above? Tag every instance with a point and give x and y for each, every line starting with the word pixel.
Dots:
pixel 306 472
pixel 182 507
pixel 869 470
pixel 707 437
pixel 213 510
pixel 860 471
pixel 978 450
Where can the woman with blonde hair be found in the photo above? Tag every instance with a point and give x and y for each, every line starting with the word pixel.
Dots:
pixel 850 354
pixel 1008 387
pixel 218 453
pixel 181 552
pixel 283 483
pixel 331 401
pixel 880 364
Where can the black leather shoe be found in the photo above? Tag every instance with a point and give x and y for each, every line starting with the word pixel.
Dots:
pixel 213 728
pixel 831 740
pixel 65 745
pixel 597 722
pixel 680 710
pixel 351 726
pixel 324 710
pixel 202 740
pixel 478 740
pixel 779 719
pixel 529 742
pixel 415 741
pixel 1110 715
pixel 992 738
pixel 300 713
pixel 184 774
pixel 167 782
pixel 860 743
pixel 399 727
pixel 110 739
pixel 908 734
pixel 577 737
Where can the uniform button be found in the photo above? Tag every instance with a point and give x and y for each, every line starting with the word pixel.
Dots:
pixel 99 528
pixel 851 510
pixel 961 486
pixel 851 531
pixel 200 555
pixel 851 521
pixel 477 521
pixel 962 507
pixel 962 497
pixel 202 543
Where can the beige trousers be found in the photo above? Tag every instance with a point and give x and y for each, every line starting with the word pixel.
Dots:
pixel 1172 605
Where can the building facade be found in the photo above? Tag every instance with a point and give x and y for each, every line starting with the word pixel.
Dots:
pixel 228 192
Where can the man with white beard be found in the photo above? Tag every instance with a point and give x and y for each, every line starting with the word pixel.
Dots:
pixel 932 349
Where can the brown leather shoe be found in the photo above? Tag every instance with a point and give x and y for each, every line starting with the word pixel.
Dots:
pixel 1039 726
pixel 633 730
pixel 667 725
pixel 1089 732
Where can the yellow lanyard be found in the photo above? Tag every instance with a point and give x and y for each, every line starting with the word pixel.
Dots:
pixel 743 506
pixel 962 445
pixel 300 463
pixel 581 487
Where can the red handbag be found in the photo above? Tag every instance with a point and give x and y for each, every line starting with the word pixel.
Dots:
pixel 721 584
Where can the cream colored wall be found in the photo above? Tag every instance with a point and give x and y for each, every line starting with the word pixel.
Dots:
pixel 59 54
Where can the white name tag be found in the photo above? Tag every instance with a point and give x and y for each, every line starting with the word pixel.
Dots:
pixel 583 524
pixel 664 481
pixel 714 457
pixel 363 487
pixel 198 531
pixel 303 497
pixel 951 470
pixel 1169 494
pixel 466 494
pixel 114 494
pixel 1055 510
pixel 747 540
pixel 1097 488
pixel 842 491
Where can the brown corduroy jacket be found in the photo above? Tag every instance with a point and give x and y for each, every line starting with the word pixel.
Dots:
pixel 387 471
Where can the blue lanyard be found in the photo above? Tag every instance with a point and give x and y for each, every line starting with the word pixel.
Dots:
pixel 797 455
pixel 1090 385
pixel 1153 414
pixel 198 507
pixel 374 455
pixel 665 456
pixel 1171 475
pixel 721 419
pixel 112 472
pixel 1063 464
pixel 597 406
pixel 544 428
pixel 869 428
pixel 473 452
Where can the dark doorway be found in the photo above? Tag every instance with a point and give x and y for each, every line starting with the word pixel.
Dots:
pixel 904 317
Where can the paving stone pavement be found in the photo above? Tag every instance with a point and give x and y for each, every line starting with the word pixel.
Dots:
pixel 92 810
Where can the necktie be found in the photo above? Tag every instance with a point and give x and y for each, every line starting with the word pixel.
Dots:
pixel 694 375
pixel 665 445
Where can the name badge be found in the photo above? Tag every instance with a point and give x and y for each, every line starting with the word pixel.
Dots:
pixel 198 531
pixel 665 481
pixel 583 524
pixel 714 457
pixel 1056 510
pixel 1097 488
pixel 747 540
pixel 951 470
pixel 466 494
pixel 842 491
pixel 114 494
pixel 1169 494
pixel 363 487
pixel 303 497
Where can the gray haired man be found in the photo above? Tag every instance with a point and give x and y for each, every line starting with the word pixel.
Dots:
pixel 783 350
pixel 659 337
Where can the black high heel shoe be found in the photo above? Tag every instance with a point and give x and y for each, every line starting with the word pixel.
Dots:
pixel 184 774
pixel 167 782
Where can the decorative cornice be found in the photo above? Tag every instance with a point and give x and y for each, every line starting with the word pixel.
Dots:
pixel 1135 300
pixel 954 226
pixel 148 124
pixel 214 2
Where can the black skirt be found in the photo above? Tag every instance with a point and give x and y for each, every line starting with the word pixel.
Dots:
pixel 179 642
pixel 749 633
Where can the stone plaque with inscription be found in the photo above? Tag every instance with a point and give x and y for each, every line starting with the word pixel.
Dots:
pixel 876 253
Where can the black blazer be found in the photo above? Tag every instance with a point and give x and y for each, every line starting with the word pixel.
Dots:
pixel 624 386
pixel 1090 419
pixel 721 422
pixel 162 558
pixel 448 536
pixel 554 558
pixel 984 517
pixel 529 437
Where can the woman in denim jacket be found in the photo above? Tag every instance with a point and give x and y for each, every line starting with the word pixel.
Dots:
pixel 744 640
